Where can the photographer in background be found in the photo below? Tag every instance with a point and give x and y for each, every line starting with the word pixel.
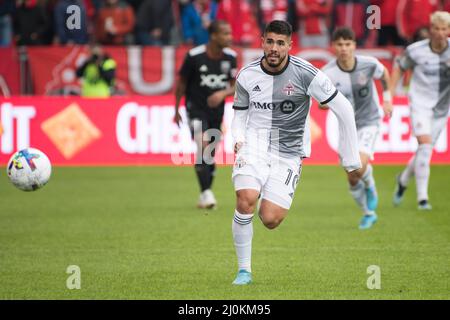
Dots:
pixel 98 74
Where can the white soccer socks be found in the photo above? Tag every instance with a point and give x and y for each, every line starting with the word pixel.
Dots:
pixel 358 193
pixel 422 170
pixel 367 177
pixel 242 228
pixel 408 172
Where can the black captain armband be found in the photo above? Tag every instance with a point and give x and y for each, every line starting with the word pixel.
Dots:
pixel 240 108
pixel 330 98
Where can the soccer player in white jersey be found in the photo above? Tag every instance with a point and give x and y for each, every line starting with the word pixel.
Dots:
pixel 354 75
pixel 429 99
pixel 271 135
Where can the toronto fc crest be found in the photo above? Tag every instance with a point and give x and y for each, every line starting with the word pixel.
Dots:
pixel 289 89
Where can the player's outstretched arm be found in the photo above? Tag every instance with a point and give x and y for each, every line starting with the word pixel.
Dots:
pixel 322 89
pixel 348 138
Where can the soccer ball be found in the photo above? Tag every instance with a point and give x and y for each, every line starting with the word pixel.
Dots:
pixel 29 169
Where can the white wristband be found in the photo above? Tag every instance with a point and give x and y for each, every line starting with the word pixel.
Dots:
pixel 387 96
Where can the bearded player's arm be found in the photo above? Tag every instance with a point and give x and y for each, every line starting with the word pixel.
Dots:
pixel 322 89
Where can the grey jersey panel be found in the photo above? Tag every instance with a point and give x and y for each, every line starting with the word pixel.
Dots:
pixel 359 88
pixel 293 104
pixel 443 104
pixel 365 104
pixel 241 98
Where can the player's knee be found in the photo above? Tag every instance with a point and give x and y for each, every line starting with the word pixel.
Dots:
pixel 354 176
pixel 424 139
pixel 246 201
pixel 272 222
pixel 269 219
pixel 272 225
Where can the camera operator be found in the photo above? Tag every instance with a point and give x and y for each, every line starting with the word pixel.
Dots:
pixel 98 74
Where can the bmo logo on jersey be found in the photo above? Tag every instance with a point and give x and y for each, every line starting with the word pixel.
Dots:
pixel 214 81
pixel 286 107
pixel 263 105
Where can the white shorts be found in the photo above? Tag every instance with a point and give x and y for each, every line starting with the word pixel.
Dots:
pixel 367 136
pixel 424 123
pixel 276 178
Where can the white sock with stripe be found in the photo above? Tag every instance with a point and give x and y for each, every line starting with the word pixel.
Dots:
pixel 242 228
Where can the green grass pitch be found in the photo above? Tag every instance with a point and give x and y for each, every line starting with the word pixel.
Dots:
pixel 135 234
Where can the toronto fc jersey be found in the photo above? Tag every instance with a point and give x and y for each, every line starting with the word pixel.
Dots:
pixel 359 88
pixel 430 82
pixel 280 103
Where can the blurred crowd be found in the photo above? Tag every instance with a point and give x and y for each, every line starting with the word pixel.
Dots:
pixel 174 22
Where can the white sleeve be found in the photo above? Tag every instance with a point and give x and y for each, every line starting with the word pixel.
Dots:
pixel 321 88
pixel 348 139
pixel 239 125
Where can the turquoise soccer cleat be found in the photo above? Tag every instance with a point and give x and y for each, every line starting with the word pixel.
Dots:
pixel 372 198
pixel 368 221
pixel 243 277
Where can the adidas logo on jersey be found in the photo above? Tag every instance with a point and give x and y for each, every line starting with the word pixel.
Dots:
pixel 256 88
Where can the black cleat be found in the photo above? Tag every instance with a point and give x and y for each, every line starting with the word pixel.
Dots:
pixel 398 193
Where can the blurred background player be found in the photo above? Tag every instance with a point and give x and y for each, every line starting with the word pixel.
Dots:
pixel 354 76
pixel 429 98
pixel 206 79
pixel 270 129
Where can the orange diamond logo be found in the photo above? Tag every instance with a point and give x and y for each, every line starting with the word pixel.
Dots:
pixel 70 130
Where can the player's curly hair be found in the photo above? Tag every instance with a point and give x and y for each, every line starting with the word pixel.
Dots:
pixel 279 27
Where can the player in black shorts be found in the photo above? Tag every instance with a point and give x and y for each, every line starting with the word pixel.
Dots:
pixel 206 79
